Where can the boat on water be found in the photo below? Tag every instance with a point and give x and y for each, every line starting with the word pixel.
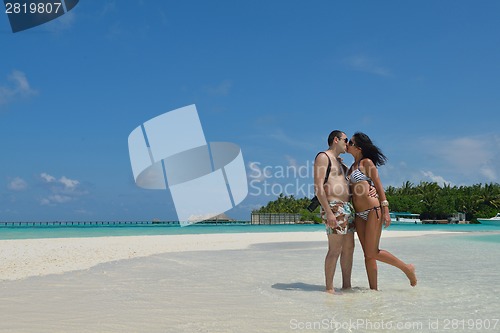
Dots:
pixel 492 221
pixel 405 218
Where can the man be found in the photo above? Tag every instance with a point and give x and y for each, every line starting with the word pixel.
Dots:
pixel 337 213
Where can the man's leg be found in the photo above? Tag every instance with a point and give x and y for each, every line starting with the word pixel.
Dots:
pixel 334 249
pixel 346 259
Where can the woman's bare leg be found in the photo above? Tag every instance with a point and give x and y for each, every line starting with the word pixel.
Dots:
pixel 372 240
pixel 370 263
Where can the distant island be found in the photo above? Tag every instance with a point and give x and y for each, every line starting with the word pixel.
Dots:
pixel 428 199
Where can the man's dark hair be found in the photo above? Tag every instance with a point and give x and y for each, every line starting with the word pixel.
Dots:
pixel 333 135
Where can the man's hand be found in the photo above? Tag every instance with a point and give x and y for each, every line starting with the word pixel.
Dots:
pixel 373 192
pixel 331 220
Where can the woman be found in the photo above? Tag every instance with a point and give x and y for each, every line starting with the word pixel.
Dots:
pixel 371 212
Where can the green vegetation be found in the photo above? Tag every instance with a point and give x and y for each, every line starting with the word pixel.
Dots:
pixel 291 205
pixel 429 200
pixel 432 201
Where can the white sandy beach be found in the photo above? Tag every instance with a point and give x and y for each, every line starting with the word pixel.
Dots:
pixel 253 282
pixel 37 257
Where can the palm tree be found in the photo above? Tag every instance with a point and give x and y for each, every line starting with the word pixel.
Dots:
pixel 407 188
pixel 489 195
pixel 428 193
pixel 391 190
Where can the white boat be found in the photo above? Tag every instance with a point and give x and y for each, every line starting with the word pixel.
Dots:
pixel 405 218
pixel 493 221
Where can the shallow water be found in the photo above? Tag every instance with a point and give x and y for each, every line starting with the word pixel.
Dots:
pixel 275 287
pixel 140 230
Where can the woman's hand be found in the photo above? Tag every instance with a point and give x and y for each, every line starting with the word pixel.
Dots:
pixel 386 218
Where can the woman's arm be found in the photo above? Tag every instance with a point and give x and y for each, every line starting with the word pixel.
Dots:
pixel 372 172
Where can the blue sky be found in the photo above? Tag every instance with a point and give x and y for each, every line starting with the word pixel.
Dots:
pixel 421 78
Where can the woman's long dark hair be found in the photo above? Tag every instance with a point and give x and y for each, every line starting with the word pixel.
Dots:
pixel 368 149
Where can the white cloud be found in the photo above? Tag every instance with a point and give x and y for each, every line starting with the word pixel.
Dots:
pixel 478 155
pixel 108 8
pixel 83 211
pixel 17 87
pixel 20 81
pixel 280 136
pixel 249 206
pixel 465 151
pixel 489 173
pixel 460 160
pixel 55 199
pixel 435 178
pixel 258 173
pixel 62 23
pixel 398 172
pixel 364 64
pixel 47 178
pixel 69 183
pixel 266 120
pixel 17 184
pixel 221 89
pixel 297 170
pixel 291 161
pixel 60 190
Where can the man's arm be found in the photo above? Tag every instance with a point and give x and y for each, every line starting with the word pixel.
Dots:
pixel 320 166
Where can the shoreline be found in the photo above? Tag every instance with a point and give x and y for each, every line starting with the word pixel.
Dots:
pixel 23 258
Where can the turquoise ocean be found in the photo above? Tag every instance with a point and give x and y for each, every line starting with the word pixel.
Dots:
pixel 28 232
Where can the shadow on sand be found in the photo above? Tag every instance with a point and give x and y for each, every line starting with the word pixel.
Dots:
pixel 316 287
pixel 299 286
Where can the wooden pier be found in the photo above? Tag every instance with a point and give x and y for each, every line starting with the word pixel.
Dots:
pixel 275 218
pixel 83 223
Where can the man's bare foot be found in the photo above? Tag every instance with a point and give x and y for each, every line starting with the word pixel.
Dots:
pixel 330 291
pixel 411 275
